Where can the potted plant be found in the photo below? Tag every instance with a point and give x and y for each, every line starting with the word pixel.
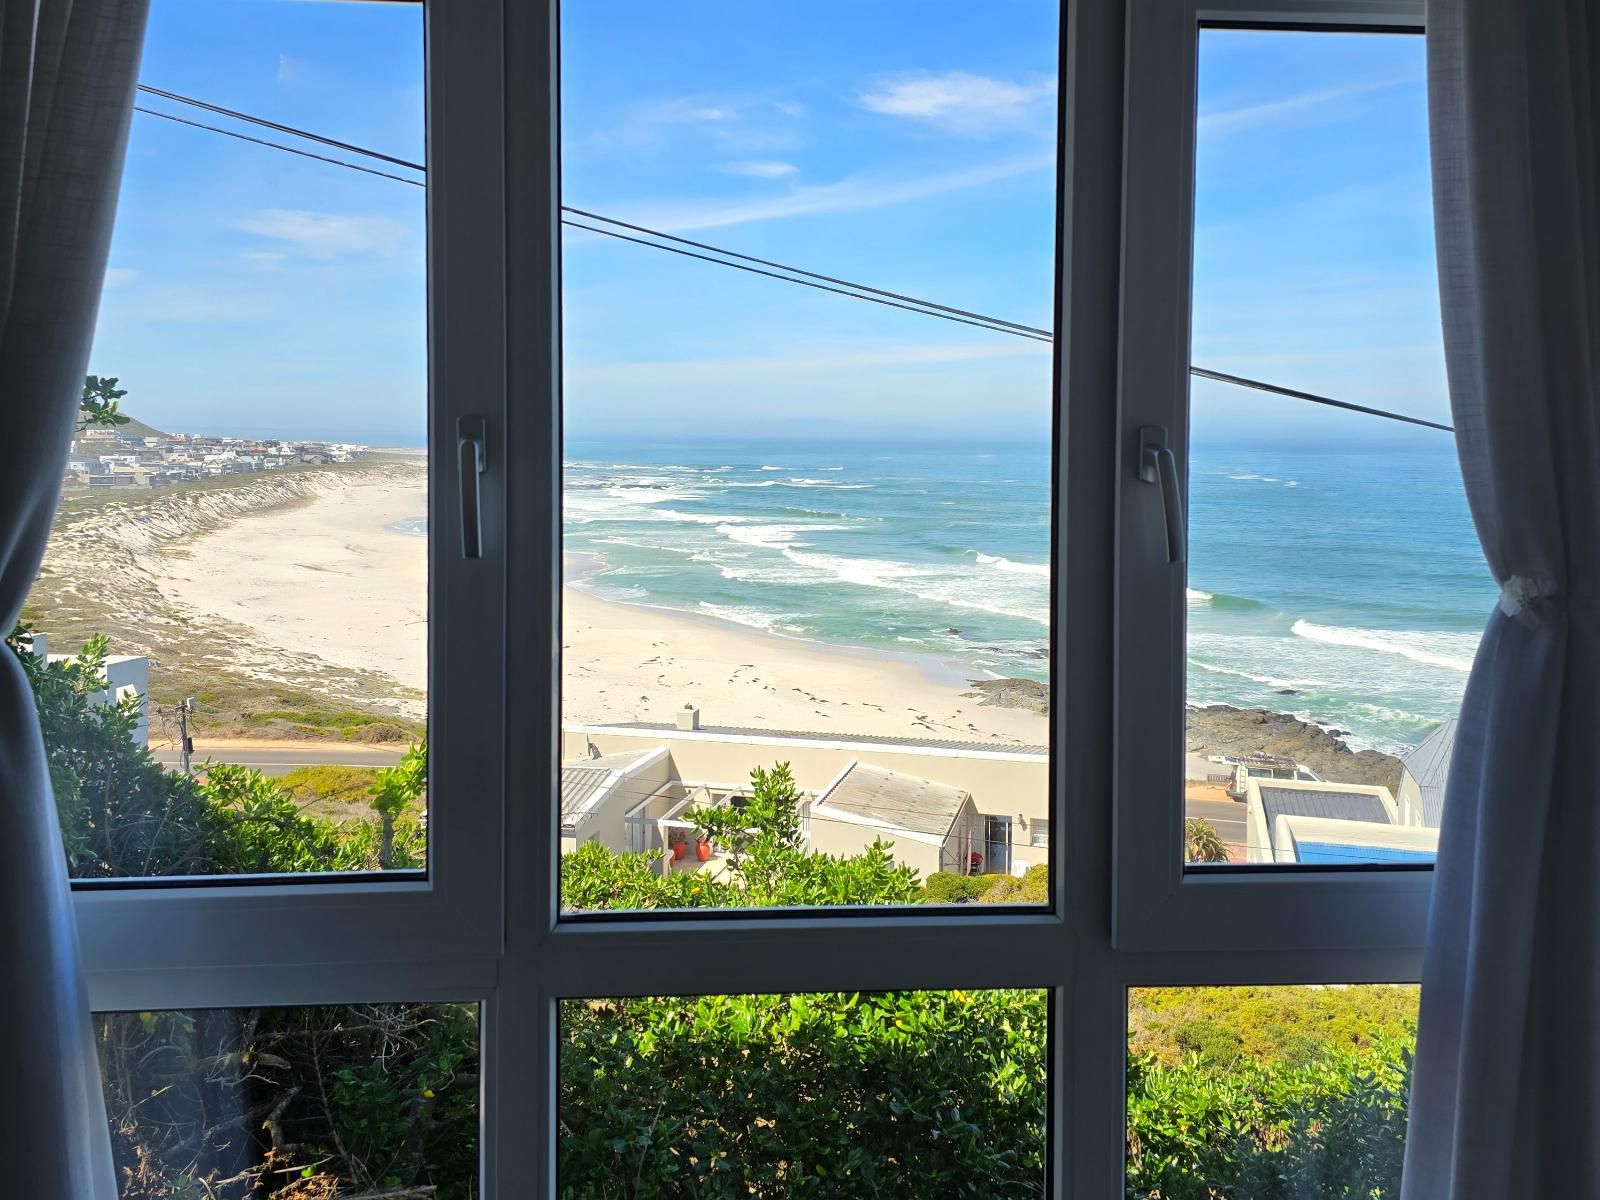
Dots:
pixel 679 843
pixel 702 848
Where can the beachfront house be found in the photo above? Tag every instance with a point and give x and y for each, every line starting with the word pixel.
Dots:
pixel 930 826
pixel 127 679
pixel 1006 786
pixel 1423 774
pixel 1311 823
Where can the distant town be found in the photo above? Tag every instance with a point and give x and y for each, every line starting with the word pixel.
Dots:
pixel 134 456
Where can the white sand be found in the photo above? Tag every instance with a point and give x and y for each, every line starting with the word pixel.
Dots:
pixel 329 577
pixel 333 579
pixel 623 662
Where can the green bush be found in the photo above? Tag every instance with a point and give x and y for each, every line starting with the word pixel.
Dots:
pixel 893 1095
pixel 329 784
pixel 946 887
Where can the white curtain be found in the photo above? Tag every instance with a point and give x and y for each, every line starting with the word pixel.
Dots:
pixel 1505 1099
pixel 67 70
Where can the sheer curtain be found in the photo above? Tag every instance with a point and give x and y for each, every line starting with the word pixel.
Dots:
pixel 1505 1100
pixel 67 71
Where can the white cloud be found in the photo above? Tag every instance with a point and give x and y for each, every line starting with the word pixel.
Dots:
pixel 684 110
pixel 327 235
pixel 266 259
pixel 118 276
pixel 1249 116
pixel 790 108
pixel 292 70
pixel 852 194
pixel 960 101
pixel 760 169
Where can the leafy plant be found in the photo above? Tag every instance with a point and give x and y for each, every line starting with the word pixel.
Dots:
pixel 99 406
pixel 1202 842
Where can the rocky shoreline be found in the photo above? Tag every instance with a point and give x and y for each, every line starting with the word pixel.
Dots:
pixel 1220 729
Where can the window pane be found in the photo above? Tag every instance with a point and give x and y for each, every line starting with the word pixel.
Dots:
pixel 250 1104
pixel 908 1094
pixel 806 530
pixel 1336 584
pixel 1276 1093
pixel 239 559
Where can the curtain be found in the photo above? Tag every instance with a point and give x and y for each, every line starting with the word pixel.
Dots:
pixel 67 71
pixel 1505 1097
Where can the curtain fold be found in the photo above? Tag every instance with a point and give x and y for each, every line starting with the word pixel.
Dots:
pixel 67 73
pixel 1505 1097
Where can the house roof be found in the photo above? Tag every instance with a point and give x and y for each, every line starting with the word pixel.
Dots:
pixel 877 796
pixel 1429 765
pixel 1305 802
pixel 585 781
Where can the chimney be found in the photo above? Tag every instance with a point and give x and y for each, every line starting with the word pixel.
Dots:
pixel 688 717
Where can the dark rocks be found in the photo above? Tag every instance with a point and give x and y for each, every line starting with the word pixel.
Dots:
pixel 1219 729
pixel 1013 693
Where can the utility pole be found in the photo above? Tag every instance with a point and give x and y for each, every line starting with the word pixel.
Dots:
pixel 185 742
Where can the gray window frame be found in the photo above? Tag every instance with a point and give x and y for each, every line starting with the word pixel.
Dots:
pixel 1120 915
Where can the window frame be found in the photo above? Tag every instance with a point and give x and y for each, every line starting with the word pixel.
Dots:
pixel 141 937
pixel 1122 913
pixel 1159 904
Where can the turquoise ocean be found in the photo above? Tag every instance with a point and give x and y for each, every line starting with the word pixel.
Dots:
pixel 1345 586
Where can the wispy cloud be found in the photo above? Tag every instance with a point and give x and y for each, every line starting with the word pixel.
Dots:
pixel 1299 105
pixel 760 169
pixel 120 276
pixel 326 235
pixel 852 194
pixel 960 101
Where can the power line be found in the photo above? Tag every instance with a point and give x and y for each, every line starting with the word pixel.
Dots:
pixel 1241 381
pixel 861 287
pixel 914 305
pixel 244 137
pixel 720 256
pixel 178 98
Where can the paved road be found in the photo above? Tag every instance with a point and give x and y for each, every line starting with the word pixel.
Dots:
pixel 1225 816
pixel 280 760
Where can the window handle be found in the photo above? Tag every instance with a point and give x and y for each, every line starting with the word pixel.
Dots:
pixel 471 458
pixel 1158 465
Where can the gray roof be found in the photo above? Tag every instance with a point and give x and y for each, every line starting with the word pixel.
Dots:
pixel 903 801
pixel 1429 765
pixel 582 781
pixel 1305 802
pixel 829 735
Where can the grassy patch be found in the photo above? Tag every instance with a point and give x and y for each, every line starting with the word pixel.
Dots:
pixel 1291 1026
pixel 347 724
pixel 333 783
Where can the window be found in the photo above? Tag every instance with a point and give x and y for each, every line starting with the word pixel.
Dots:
pixel 1336 588
pixel 293 1101
pixel 806 533
pixel 229 635
pixel 762 1095
pixel 1043 171
pixel 1297 1091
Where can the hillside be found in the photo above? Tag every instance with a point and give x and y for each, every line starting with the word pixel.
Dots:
pixel 134 428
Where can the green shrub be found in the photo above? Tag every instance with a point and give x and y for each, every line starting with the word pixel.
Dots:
pixel 946 887
pixel 329 784
pixel 1032 887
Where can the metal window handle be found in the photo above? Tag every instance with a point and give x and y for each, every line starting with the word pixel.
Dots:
pixel 1158 465
pixel 472 457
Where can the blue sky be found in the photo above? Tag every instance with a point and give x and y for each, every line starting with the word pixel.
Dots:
pixel 907 145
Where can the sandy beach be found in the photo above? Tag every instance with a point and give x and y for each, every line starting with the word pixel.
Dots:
pixel 626 662
pixel 334 577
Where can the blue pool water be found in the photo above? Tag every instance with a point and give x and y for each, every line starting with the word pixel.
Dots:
pixel 1338 854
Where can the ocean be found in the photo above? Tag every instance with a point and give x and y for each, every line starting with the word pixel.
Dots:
pixel 1343 585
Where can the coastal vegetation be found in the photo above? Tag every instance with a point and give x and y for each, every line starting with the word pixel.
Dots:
pixel 1233 1092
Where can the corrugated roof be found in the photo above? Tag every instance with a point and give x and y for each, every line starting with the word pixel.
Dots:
pixel 1307 802
pixel 583 782
pixel 1429 765
pixel 896 799
pixel 828 735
